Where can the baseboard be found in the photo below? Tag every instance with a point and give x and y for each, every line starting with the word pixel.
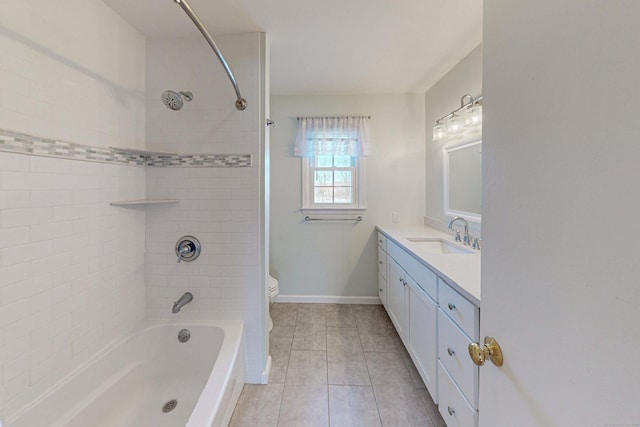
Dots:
pixel 327 299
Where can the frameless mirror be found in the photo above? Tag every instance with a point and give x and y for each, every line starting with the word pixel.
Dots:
pixel 463 180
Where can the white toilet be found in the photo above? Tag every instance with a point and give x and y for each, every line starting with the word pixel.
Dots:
pixel 274 290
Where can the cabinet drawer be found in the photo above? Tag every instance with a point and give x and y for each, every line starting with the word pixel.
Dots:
pixel 460 310
pixel 454 355
pixel 425 278
pixel 453 407
pixel 382 241
pixel 382 262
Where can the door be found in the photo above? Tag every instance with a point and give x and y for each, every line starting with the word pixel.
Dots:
pixel 561 235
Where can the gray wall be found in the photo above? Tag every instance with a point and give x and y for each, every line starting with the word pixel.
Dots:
pixel 441 99
pixel 339 259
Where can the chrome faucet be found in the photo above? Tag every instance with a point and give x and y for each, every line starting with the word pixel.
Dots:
pixel 182 301
pixel 466 240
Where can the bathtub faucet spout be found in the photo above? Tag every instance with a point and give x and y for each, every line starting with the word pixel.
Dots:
pixel 182 301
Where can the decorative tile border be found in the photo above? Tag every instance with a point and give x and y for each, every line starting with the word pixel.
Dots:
pixel 20 143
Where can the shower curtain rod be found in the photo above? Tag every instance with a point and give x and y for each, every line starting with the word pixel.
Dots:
pixel 241 103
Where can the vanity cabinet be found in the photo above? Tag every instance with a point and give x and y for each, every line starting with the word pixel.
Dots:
pixel 436 324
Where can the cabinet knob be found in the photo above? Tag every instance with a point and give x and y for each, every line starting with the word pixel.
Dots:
pixel 451 351
pixel 380 289
pixel 450 410
pixel 380 262
pixel 491 351
pixel 451 306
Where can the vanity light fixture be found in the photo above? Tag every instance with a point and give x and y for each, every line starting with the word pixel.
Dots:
pixel 465 118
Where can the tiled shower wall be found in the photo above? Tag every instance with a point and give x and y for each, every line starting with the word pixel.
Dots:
pixel 71 266
pixel 219 206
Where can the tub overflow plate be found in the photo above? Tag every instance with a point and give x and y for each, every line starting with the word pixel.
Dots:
pixel 184 335
pixel 169 406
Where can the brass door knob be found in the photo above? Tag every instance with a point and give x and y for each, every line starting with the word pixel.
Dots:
pixel 491 350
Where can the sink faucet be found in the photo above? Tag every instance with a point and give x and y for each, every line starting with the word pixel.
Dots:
pixel 466 240
pixel 182 301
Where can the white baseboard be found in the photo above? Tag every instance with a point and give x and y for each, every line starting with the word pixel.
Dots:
pixel 327 299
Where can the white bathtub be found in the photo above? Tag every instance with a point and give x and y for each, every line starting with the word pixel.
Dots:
pixel 129 383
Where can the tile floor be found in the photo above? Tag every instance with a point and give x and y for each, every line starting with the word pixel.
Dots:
pixel 336 365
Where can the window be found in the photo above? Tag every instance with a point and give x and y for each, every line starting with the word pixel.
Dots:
pixel 333 164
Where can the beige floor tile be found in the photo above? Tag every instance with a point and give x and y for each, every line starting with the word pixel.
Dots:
pixel 307 367
pixel 352 407
pixel 341 318
pixel 343 339
pixel 386 369
pixel 304 406
pixel 413 371
pixel 372 320
pixel 401 406
pixel 259 405
pixel 284 314
pixel 311 317
pixel 432 409
pixel 384 340
pixel 279 365
pixel 281 337
pixel 310 337
pixel 378 307
pixel 347 368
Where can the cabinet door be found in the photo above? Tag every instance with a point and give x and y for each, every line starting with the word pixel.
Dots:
pixel 382 289
pixel 423 315
pixel 396 297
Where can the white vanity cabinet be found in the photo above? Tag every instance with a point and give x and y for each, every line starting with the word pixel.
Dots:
pixel 436 324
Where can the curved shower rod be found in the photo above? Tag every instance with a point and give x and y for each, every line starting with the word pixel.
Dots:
pixel 241 103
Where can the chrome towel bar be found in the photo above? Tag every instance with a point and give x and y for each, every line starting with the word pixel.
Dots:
pixel 356 219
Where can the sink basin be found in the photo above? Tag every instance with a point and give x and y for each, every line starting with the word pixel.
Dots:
pixel 439 246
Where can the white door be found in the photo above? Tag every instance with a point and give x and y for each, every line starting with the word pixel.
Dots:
pixel 561 233
pixel 396 296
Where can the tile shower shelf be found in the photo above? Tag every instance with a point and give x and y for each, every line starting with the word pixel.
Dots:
pixel 144 202
pixel 144 153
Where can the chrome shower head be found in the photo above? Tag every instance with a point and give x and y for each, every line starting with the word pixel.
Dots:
pixel 174 100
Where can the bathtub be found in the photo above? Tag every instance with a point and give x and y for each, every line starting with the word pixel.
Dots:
pixel 150 378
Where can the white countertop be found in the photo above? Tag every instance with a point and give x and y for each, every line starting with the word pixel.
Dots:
pixel 461 272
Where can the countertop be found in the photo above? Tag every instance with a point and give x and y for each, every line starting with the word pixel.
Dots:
pixel 461 272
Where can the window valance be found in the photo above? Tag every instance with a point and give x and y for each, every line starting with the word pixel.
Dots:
pixel 336 136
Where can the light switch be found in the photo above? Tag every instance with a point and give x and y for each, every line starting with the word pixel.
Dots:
pixel 395 217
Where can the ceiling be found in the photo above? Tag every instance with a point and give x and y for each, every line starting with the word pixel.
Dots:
pixel 333 47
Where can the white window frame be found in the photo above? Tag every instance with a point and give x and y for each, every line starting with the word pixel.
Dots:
pixel 358 206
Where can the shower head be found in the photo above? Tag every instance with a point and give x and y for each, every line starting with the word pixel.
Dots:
pixel 174 100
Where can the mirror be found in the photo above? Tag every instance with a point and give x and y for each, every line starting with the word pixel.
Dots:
pixel 463 180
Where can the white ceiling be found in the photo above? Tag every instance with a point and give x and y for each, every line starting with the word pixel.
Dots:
pixel 333 46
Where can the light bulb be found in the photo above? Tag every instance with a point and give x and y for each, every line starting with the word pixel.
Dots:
pixel 439 132
pixel 473 116
pixel 454 124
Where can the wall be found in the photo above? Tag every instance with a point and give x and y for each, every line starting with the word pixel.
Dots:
pixel 219 206
pixel 559 266
pixel 71 266
pixel 441 99
pixel 340 259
